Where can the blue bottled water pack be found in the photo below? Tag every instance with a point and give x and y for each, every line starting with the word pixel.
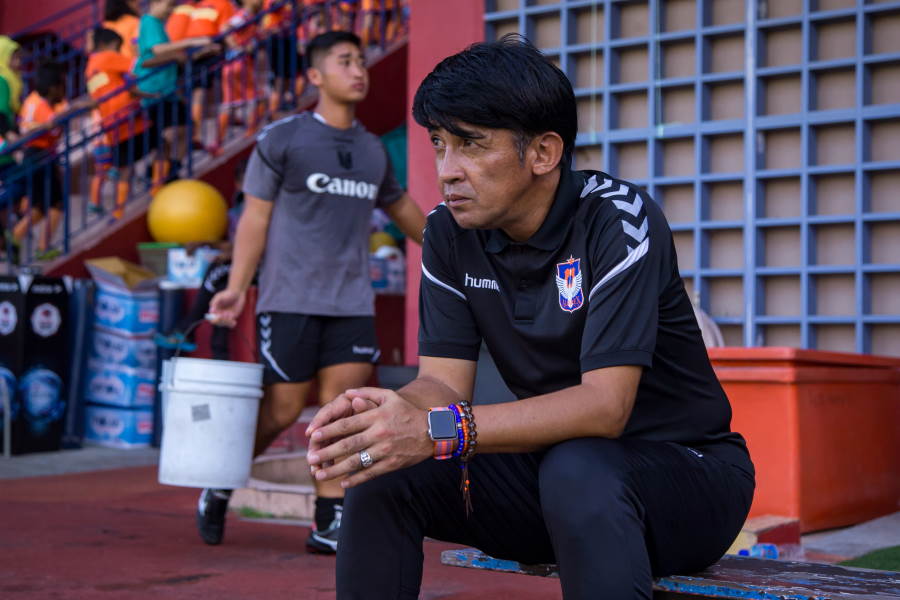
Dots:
pixel 126 313
pixel 118 427
pixel 111 348
pixel 119 385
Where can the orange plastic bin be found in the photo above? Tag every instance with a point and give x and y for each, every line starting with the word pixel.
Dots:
pixel 823 429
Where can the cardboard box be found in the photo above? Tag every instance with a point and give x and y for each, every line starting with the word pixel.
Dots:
pixel 113 349
pixel 188 270
pixel 119 386
pixel 118 427
pixel 127 297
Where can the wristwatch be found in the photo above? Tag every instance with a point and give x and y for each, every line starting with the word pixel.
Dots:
pixel 442 431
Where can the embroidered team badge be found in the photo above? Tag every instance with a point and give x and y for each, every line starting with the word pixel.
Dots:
pixel 568 282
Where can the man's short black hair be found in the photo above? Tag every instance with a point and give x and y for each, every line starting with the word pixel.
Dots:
pixel 106 37
pixel 507 84
pixel 47 76
pixel 321 44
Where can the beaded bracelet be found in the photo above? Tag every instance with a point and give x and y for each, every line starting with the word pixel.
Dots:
pixel 468 452
pixel 460 430
pixel 472 434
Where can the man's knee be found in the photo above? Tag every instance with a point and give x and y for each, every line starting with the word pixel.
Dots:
pixel 584 479
pixel 388 496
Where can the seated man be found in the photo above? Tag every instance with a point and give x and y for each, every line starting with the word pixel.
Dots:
pixel 617 460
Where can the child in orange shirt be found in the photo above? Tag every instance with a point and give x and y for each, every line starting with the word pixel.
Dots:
pixel 127 132
pixel 238 74
pixel 178 21
pixel 44 184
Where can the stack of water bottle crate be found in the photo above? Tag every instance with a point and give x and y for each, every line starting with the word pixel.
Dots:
pixel 121 370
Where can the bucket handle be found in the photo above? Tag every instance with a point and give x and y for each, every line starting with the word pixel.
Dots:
pixel 197 323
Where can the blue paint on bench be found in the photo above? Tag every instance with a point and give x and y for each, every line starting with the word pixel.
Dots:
pixel 733 577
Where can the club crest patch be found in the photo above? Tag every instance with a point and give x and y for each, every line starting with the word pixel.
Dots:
pixel 568 282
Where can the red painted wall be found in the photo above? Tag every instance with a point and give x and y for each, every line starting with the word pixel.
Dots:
pixel 16 15
pixel 385 108
pixel 437 29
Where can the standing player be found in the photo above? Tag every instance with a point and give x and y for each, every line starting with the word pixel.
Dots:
pixel 311 185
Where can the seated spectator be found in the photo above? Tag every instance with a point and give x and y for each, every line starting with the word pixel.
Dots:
pixel 121 16
pixel 121 118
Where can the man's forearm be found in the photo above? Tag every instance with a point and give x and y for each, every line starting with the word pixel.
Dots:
pixel 408 217
pixel 425 392
pixel 249 244
pixel 535 423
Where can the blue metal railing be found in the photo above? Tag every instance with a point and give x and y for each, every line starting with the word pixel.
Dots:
pixel 58 182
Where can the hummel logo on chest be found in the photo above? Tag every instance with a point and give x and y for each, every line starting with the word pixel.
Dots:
pixel 482 283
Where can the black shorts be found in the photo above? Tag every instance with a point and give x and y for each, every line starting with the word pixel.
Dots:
pixel 171 111
pixel 135 148
pixel 293 347
pixel 44 184
pixel 278 49
pixel 205 71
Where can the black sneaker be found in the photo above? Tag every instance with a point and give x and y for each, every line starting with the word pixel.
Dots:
pixel 325 542
pixel 211 510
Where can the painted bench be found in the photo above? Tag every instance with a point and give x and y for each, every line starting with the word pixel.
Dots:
pixel 732 577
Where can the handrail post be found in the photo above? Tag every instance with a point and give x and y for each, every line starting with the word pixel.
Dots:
pixel 67 182
pixel 189 129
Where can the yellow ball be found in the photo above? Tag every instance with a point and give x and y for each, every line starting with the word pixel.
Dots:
pixel 187 211
pixel 379 239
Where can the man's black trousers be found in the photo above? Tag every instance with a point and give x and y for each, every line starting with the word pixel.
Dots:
pixel 611 513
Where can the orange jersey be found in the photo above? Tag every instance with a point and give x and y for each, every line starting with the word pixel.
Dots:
pixel 178 21
pixel 37 111
pixel 127 26
pixel 105 72
pixel 209 18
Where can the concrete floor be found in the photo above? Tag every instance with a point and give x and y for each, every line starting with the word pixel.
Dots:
pixel 855 541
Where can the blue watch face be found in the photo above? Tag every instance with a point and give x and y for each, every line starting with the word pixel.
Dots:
pixel 442 425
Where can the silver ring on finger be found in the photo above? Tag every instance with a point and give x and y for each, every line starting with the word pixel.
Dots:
pixel 365 459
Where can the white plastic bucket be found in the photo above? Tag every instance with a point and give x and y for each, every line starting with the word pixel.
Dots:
pixel 209 410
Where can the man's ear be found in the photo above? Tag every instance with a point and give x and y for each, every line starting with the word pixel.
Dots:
pixel 314 76
pixel 547 149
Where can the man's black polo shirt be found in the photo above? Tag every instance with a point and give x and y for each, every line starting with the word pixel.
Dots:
pixel 596 286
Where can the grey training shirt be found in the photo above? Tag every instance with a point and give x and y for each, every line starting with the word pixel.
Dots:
pixel 324 183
